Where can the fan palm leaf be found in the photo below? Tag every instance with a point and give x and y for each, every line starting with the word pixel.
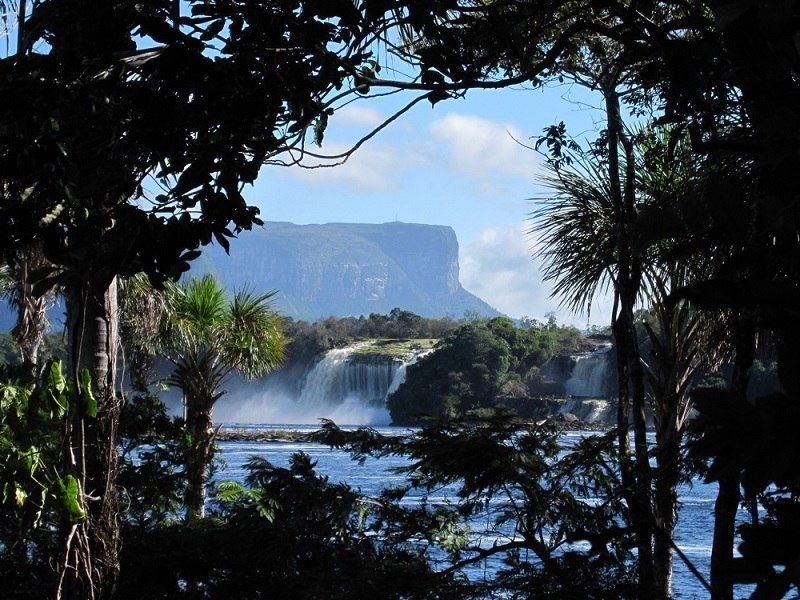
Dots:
pixel 208 337
pixel 575 229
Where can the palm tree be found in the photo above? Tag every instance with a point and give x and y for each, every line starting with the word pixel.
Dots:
pixel 208 337
pixel 142 313
pixel 17 285
pixel 578 224
pixel 584 227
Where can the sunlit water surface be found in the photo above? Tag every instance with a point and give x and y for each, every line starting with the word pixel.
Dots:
pixel 693 536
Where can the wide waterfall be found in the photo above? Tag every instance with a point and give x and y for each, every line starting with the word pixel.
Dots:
pixel 589 376
pixel 347 385
pixel 342 377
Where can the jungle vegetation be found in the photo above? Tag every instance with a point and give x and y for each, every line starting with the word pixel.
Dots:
pixel 127 130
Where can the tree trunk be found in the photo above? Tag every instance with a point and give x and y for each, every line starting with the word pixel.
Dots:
pixel 32 320
pixel 666 498
pixel 729 495
pixel 200 454
pixel 636 478
pixel 91 560
pixel 725 507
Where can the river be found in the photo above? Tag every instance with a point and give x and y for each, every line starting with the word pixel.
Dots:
pixel 693 536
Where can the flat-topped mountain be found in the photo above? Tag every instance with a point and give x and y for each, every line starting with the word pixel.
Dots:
pixel 341 269
pixel 344 269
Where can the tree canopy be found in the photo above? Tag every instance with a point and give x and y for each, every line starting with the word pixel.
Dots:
pixel 128 129
pixel 469 369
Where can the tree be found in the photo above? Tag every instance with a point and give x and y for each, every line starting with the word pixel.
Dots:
pixel 585 228
pixel 208 338
pixel 469 369
pixel 465 372
pixel 79 78
pixel 525 493
pixel 32 322
pixel 142 312
pixel 127 132
pixel 579 224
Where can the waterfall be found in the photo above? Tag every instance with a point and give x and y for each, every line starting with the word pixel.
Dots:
pixel 589 376
pixel 369 382
pixel 343 385
pixel 400 376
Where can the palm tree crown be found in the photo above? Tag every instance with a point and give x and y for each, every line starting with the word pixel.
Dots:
pixel 208 337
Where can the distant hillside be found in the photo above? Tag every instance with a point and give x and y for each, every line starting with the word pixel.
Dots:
pixel 343 269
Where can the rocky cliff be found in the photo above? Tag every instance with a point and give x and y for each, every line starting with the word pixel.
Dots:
pixel 342 269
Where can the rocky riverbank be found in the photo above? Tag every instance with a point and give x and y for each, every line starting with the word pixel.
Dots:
pixel 565 421
pixel 237 434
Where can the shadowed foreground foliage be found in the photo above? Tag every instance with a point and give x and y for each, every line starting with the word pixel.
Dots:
pixel 517 515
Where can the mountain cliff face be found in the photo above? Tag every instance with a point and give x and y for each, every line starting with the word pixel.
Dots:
pixel 343 269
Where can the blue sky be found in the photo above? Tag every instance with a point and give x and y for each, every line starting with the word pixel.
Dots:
pixel 460 163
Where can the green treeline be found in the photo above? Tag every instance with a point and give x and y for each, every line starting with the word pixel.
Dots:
pixel 472 365
pixel 129 132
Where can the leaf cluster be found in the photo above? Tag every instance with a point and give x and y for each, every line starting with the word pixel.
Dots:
pixel 508 493
pixel 289 533
pixel 754 442
pixel 129 129
pixel 38 494
pixel 469 369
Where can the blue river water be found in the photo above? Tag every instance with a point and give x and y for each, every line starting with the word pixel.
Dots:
pixel 693 535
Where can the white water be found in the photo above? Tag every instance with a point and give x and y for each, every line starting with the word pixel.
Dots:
pixel 589 377
pixel 340 386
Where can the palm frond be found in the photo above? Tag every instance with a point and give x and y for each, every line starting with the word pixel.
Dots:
pixel 574 226
pixel 256 342
pixel 197 311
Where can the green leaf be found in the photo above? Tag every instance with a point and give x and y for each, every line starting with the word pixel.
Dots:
pixel 89 402
pixel 70 497
pixel 56 380
pixel 56 389
pixel 230 491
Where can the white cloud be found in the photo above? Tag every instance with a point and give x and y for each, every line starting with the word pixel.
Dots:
pixel 356 115
pixel 479 147
pixel 374 167
pixel 462 147
pixel 500 268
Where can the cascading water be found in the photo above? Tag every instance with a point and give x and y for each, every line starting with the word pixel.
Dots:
pixel 340 377
pixel 370 381
pixel 587 388
pixel 589 376
pixel 344 385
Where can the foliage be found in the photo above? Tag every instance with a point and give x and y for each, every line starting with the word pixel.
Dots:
pixel 310 339
pixel 127 133
pixel 152 475
pixel 54 348
pixel 107 100
pixel 755 443
pixel 208 337
pixel 468 370
pixel 218 89
pixel 37 495
pixel 290 533
pixel 464 373
pixel 521 506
